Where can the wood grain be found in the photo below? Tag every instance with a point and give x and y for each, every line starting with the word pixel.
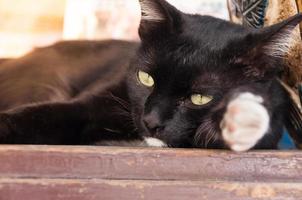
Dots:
pixel 97 173
pixel 148 164
pixel 62 189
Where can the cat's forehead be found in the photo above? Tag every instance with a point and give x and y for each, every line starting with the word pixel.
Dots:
pixel 203 42
pixel 195 71
pixel 212 33
pixel 198 55
pixel 218 78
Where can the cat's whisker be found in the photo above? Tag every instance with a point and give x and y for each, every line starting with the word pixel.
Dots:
pixel 205 133
pixel 210 136
pixel 294 121
pixel 122 102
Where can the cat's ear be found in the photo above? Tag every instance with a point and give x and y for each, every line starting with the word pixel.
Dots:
pixel 272 41
pixel 264 47
pixel 158 18
pixel 279 38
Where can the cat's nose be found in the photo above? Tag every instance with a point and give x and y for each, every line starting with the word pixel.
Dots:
pixel 153 123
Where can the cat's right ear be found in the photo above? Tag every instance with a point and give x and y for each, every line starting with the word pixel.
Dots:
pixel 158 19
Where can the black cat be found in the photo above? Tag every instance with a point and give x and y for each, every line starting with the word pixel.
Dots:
pixel 193 81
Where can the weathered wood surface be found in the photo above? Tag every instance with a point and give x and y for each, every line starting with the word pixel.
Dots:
pixel 148 164
pixel 89 173
pixel 62 189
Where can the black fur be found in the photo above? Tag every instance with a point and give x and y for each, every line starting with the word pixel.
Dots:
pixel 85 92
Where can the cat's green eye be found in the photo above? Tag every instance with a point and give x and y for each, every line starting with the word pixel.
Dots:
pixel 199 100
pixel 145 78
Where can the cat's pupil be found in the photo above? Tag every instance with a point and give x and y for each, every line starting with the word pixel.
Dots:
pixel 198 99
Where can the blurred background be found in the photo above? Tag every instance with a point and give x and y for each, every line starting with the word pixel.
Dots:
pixel 25 24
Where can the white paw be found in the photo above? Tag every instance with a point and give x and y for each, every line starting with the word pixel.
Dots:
pixel 245 122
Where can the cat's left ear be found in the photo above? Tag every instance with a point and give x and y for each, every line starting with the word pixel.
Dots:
pixel 158 19
pixel 276 40
pixel 264 47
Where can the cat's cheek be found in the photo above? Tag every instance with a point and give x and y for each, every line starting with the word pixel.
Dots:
pixel 245 122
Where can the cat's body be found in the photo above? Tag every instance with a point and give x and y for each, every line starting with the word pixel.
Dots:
pixel 62 71
pixel 72 73
pixel 194 81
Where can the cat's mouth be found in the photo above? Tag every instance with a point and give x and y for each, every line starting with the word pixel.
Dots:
pixel 155 133
pixel 152 133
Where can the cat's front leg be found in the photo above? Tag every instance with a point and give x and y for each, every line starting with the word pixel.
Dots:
pixel 84 120
pixel 6 131
pixel 245 122
pixel 45 123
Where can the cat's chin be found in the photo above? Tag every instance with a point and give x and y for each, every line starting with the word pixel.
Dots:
pixel 154 142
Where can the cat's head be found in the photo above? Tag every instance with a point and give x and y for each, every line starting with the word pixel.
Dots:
pixel 188 65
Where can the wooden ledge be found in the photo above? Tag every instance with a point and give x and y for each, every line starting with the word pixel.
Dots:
pixel 62 189
pixel 88 173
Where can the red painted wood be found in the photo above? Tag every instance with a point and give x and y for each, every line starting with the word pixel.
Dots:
pixel 148 164
pixel 62 189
